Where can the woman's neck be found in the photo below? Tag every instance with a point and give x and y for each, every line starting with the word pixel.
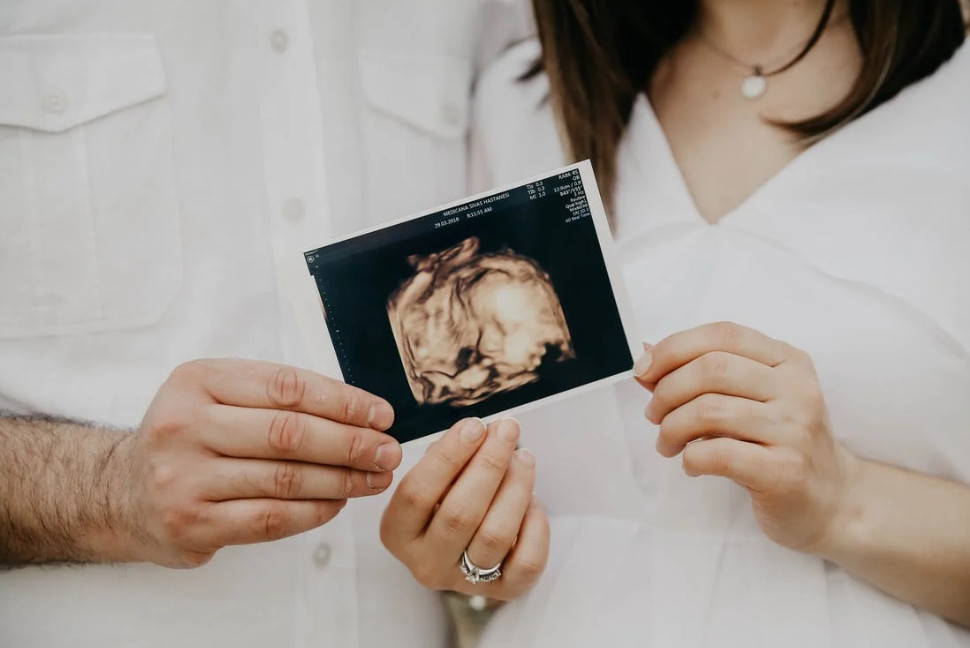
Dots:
pixel 756 29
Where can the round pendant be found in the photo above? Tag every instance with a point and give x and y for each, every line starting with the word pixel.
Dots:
pixel 754 86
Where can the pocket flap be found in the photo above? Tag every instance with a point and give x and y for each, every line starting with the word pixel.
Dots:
pixel 430 92
pixel 54 83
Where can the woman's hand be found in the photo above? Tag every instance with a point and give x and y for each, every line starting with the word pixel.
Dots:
pixel 471 491
pixel 741 405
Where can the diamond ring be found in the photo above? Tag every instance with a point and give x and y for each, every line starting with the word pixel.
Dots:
pixel 475 574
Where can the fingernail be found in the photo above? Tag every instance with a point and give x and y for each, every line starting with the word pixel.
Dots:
pixel 379 481
pixel 525 456
pixel 508 430
pixel 472 430
pixel 380 416
pixel 387 456
pixel 642 365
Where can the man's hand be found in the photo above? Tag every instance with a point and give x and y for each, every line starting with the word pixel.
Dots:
pixel 237 452
pixel 472 491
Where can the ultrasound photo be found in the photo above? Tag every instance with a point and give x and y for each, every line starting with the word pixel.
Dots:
pixel 504 302
pixel 469 325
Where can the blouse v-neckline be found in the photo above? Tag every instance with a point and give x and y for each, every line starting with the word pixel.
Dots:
pixel 660 155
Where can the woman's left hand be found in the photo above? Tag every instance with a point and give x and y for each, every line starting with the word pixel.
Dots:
pixel 741 405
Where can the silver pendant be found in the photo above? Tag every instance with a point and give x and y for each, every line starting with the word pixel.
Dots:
pixel 755 86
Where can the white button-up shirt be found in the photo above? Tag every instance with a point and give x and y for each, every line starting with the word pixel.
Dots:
pixel 153 155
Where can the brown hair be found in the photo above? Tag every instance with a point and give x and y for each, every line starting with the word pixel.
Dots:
pixel 599 55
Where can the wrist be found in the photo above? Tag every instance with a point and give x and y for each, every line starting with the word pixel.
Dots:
pixel 114 537
pixel 849 531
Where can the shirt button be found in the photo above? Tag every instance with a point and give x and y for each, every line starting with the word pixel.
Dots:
pixel 451 114
pixel 321 555
pixel 55 102
pixel 279 41
pixel 294 210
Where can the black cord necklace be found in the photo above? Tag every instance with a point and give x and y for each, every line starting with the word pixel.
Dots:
pixel 755 84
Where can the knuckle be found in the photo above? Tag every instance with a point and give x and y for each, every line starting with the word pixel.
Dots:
pixel 446 456
pixel 496 540
pixel 287 480
pixel 271 523
pixel 188 373
pixel 721 461
pixel 493 463
pixel 167 425
pixel 715 365
pixel 726 334
pixel 178 521
pixel 356 447
pixel 349 483
pixel 287 389
pixel 287 432
pixel 458 521
pixel 710 409
pixel 531 568
pixel 411 496
pixel 162 475
pixel 352 406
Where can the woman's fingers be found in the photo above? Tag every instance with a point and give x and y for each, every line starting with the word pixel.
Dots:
pixel 748 464
pixel 464 507
pixel 679 349
pixel 230 479
pixel 473 496
pixel 528 558
pixel 716 372
pixel 496 535
pixel 423 488
pixel 713 415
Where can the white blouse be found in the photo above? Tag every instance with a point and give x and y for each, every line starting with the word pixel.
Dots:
pixel 858 252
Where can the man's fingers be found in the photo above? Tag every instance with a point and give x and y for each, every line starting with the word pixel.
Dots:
pixel 715 415
pixel 264 385
pixel 252 521
pixel 680 348
pixel 717 372
pixel 497 533
pixel 464 507
pixel 233 479
pixel 294 436
pixel 416 497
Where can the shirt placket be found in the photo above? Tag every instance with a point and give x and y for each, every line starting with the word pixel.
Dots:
pixel 294 150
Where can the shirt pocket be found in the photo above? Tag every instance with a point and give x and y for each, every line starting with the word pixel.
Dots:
pixel 89 219
pixel 415 129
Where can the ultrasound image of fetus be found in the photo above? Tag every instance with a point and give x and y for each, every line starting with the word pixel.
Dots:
pixel 470 325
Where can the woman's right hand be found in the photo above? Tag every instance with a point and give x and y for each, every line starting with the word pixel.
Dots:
pixel 471 491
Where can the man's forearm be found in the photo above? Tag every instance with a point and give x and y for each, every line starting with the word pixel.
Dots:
pixel 909 535
pixel 60 492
